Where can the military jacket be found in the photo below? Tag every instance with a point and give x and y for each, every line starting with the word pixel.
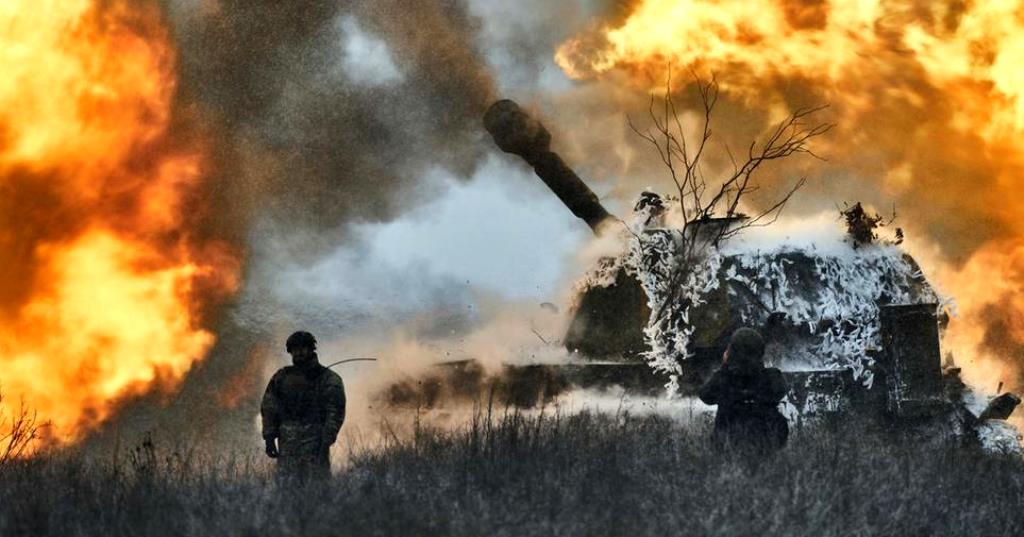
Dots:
pixel 747 400
pixel 304 408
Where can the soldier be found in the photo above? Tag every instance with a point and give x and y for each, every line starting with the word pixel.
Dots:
pixel 747 394
pixel 302 409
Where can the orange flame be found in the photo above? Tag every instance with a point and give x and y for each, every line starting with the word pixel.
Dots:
pixel 929 102
pixel 990 334
pixel 103 288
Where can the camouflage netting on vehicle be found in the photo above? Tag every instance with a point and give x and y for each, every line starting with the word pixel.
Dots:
pixel 1001 437
pixel 820 302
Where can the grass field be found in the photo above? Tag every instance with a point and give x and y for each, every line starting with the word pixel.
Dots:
pixel 583 474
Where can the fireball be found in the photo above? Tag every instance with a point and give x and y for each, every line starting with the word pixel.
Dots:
pixel 928 99
pixel 104 288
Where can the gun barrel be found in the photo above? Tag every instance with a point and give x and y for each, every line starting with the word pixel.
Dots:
pixel 516 132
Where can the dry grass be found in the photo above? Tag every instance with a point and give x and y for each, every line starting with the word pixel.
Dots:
pixel 584 474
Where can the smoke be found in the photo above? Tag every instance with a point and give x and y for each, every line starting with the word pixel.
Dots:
pixel 990 314
pixel 311 143
pixel 317 116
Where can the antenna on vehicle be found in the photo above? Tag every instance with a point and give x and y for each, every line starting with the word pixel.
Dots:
pixel 353 360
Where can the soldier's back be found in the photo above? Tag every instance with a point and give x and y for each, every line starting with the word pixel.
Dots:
pixel 304 454
pixel 748 415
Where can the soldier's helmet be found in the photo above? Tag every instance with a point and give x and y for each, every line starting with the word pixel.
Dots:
pixel 746 348
pixel 300 339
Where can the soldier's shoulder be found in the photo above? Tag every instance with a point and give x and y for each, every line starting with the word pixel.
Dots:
pixel 776 378
pixel 331 377
pixel 282 372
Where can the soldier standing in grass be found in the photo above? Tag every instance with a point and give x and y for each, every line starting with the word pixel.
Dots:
pixel 747 394
pixel 302 409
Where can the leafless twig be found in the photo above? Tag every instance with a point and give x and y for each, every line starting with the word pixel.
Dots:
pixel 683 160
pixel 18 431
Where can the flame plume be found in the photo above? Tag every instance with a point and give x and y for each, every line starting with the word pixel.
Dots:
pixel 928 98
pixel 105 292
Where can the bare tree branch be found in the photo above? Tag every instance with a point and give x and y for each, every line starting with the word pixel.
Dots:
pixel 17 432
pixel 683 159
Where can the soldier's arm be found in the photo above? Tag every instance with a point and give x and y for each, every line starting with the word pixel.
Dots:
pixel 777 384
pixel 711 391
pixel 270 410
pixel 333 393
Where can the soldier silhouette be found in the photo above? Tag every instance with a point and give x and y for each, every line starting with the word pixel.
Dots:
pixel 747 394
pixel 303 409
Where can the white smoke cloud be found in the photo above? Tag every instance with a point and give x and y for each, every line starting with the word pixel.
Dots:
pixel 366 58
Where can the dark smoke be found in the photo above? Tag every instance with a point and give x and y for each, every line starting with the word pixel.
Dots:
pixel 999 336
pixel 301 142
pixel 1002 340
pixel 300 149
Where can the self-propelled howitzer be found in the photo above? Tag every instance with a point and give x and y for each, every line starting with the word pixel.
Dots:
pixel 852 327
